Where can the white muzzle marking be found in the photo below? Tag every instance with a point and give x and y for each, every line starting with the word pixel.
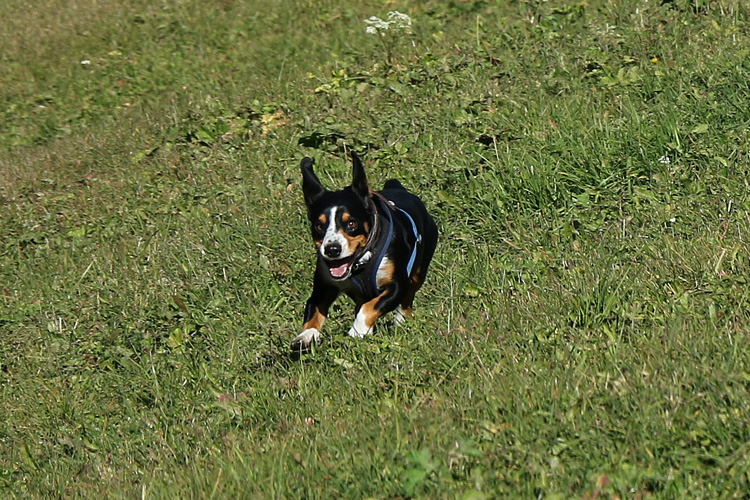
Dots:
pixel 334 236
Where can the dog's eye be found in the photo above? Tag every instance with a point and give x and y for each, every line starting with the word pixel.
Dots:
pixel 319 227
pixel 351 224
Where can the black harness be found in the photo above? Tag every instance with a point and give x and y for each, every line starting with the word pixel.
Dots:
pixel 377 244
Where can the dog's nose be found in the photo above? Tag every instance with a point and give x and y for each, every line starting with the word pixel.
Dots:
pixel 332 250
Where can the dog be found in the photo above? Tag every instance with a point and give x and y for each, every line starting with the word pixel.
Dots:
pixel 374 246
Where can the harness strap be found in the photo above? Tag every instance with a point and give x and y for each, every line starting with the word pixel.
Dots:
pixel 417 241
pixel 389 236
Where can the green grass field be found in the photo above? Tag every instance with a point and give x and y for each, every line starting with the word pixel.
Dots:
pixel 585 329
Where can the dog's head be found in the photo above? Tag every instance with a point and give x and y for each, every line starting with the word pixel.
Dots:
pixel 340 220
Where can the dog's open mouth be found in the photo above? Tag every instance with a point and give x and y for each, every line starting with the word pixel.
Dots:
pixel 341 268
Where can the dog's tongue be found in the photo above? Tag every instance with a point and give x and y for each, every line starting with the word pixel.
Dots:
pixel 340 271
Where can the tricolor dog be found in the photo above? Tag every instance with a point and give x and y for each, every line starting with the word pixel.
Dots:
pixel 374 246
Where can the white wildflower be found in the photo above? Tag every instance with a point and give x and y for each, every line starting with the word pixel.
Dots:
pixel 401 21
pixel 664 160
pixel 396 20
pixel 376 24
pixel 85 62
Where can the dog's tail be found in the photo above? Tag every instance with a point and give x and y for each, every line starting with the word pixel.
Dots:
pixel 393 184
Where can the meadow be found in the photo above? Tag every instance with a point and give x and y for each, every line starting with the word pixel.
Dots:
pixel 584 330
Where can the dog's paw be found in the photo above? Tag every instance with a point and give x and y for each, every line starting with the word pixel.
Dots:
pixel 398 316
pixel 303 341
pixel 359 328
pixel 358 334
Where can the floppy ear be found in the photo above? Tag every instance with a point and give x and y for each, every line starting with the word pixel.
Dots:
pixel 311 186
pixel 359 179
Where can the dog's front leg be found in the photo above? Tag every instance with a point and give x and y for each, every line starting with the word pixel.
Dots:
pixel 370 311
pixel 316 312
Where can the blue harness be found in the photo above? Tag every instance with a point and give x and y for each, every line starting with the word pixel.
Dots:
pixel 390 209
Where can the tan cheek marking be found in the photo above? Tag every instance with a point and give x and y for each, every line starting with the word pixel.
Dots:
pixel 369 312
pixel 317 321
pixel 354 241
pixel 367 227
pixel 385 273
pixel 318 243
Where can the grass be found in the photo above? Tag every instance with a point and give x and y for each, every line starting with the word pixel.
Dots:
pixel 584 329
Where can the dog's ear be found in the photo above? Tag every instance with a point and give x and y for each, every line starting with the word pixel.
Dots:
pixel 311 186
pixel 359 179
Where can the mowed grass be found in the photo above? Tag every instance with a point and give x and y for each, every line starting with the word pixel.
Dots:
pixel 583 332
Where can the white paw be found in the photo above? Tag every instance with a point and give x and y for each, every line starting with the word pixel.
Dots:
pixel 358 334
pixel 398 316
pixel 304 339
pixel 359 328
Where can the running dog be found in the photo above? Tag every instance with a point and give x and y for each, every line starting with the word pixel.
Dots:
pixel 374 246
